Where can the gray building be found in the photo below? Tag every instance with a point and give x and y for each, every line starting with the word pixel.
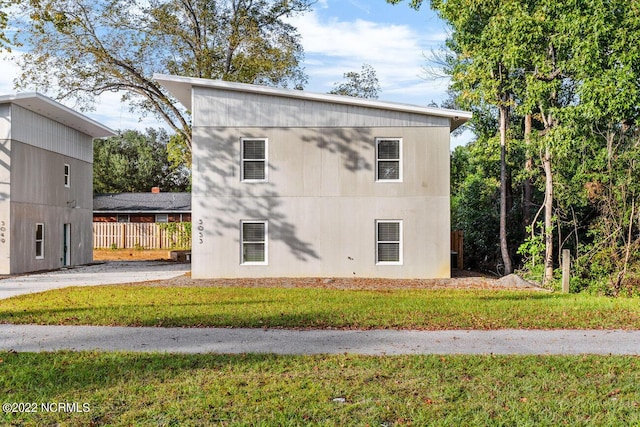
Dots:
pixel 46 184
pixel 289 183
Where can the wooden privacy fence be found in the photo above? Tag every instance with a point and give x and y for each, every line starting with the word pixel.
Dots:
pixel 457 249
pixel 130 235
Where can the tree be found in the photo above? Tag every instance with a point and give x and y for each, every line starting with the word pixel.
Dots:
pixel 134 162
pixel 573 89
pixel 84 48
pixel 360 85
pixel 5 5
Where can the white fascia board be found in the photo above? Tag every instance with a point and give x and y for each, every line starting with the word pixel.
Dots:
pixel 57 112
pixel 181 88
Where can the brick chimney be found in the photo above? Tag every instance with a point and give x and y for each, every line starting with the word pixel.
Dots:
pixel 155 190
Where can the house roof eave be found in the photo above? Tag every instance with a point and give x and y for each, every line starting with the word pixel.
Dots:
pixel 181 88
pixel 47 107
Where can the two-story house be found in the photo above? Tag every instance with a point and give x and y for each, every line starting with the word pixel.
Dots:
pixel 46 184
pixel 288 183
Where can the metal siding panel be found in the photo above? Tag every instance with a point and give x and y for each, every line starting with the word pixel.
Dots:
pixel 38 131
pixel 5 121
pixel 227 109
pixel 38 177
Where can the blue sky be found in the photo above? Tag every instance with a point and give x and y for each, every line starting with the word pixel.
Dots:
pixel 338 36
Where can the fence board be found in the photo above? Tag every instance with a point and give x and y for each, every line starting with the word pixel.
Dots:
pixel 457 246
pixel 138 235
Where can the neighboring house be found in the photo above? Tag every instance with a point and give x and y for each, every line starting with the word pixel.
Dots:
pixel 142 207
pixel 289 183
pixel 46 176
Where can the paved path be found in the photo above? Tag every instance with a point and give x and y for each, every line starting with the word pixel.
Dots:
pixel 379 342
pixel 205 340
pixel 111 272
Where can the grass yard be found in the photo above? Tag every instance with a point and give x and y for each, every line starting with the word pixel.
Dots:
pixel 124 389
pixel 139 305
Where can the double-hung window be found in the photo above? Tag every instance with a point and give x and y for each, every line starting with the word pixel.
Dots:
pixel 253 159
pixel 388 242
pixel 39 241
pixel 388 159
pixel 253 235
pixel 67 171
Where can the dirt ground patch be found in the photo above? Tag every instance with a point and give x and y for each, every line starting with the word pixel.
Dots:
pixel 130 255
pixel 467 282
pixel 461 279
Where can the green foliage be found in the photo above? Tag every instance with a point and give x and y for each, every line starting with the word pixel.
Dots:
pixel 475 201
pixel 5 5
pixel 179 232
pixel 135 162
pixel 84 48
pixel 532 249
pixel 360 85
pixel 573 68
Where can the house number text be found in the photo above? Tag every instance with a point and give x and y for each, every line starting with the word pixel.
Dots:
pixel 3 230
pixel 200 232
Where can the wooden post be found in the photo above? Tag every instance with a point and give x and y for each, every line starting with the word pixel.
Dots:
pixel 460 250
pixel 566 268
pixel 123 236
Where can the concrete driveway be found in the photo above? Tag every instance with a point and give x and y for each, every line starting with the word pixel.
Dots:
pixel 110 272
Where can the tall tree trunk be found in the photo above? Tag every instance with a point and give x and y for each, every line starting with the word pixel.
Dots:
pixel 504 248
pixel 528 182
pixel 548 217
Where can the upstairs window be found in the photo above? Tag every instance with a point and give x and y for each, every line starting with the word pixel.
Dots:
pixel 67 169
pixel 388 159
pixel 253 159
pixel 253 235
pixel 39 241
pixel 388 242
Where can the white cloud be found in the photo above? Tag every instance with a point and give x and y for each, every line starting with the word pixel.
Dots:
pixel 10 71
pixel 109 110
pixel 397 53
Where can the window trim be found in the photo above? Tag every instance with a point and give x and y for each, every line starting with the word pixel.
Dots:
pixel 399 160
pixel 41 240
pixel 67 175
pixel 265 160
pixel 265 242
pixel 400 242
pixel 166 216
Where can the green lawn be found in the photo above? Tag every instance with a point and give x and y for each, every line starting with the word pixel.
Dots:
pixel 319 308
pixel 123 389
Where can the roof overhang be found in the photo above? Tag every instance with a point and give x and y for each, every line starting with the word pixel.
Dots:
pixel 47 107
pixel 181 88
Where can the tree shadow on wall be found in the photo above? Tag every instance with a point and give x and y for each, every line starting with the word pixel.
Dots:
pixel 217 166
